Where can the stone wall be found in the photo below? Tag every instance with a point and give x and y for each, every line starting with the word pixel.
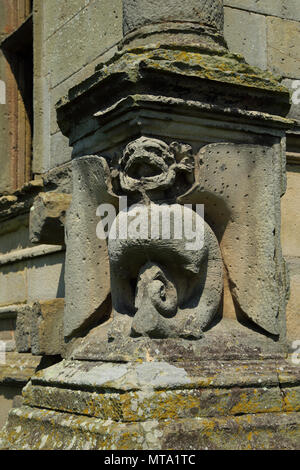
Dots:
pixel 70 40
pixel 267 34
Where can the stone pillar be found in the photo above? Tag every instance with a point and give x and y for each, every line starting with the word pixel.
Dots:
pixel 137 13
pixel 170 346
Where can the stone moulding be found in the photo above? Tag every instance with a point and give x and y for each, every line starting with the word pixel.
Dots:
pixel 29 253
pixel 202 74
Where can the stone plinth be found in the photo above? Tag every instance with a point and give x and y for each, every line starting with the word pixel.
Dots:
pixel 159 405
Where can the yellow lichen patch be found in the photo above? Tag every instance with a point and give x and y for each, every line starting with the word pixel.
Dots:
pixel 291 399
pixel 256 401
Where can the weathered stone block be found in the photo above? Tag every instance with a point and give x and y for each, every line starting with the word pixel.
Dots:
pixel 59 150
pixel 294 86
pixel 7 401
pixel 293 306
pixel 47 218
pixel 23 329
pixel 14 234
pixel 289 9
pixel 57 13
pixel 12 284
pixel 7 327
pixel 59 179
pixel 283 39
pixel 290 222
pixel 45 277
pixel 80 40
pixel 87 264
pixel 159 406
pixel 47 327
pixel 18 368
pixel 245 34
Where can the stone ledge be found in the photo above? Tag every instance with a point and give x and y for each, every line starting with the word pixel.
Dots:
pixel 18 368
pixel 28 253
pixel 11 311
pixel 104 377
pixel 285 9
pixel 35 429
pixel 141 406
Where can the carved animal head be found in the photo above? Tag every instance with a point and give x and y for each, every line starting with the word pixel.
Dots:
pixel 149 164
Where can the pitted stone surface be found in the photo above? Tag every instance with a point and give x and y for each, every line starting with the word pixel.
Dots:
pixel 87 266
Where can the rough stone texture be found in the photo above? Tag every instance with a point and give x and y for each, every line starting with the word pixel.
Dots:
pixel 283 39
pixel 100 26
pixel 13 287
pixel 293 305
pixel 228 340
pixel 246 34
pixel 59 148
pixel 87 265
pixel 294 87
pixel 34 429
pixel 20 201
pixel 187 303
pixel 18 368
pixel 159 406
pixel 68 39
pixel 45 277
pixel 23 329
pixel 58 13
pixel 47 218
pixel 39 327
pixel 177 404
pixel 248 241
pixel 290 232
pixel 8 395
pixel 138 13
pixel 289 9
pixel 47 327
pixel 14 374
pixel 31 273
pixel 59 179
pixel 97 376
pixel 14 234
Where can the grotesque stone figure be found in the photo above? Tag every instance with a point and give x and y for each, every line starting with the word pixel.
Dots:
pixel 165 261
pixel 149 166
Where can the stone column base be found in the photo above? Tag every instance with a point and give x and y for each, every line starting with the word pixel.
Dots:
pixel 158 405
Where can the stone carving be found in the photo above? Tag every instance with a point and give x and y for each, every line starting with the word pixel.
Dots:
pixel 158 287
pixel 162 286
pixel 148 166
